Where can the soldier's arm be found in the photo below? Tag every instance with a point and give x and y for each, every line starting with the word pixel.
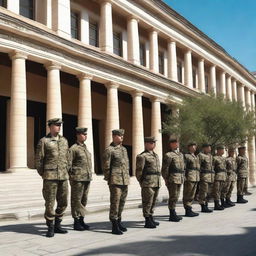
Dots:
pixel 127 160
pixel 165 167
pixel 39 159
pixel 71 155
pixel 140 163
pixel 106 163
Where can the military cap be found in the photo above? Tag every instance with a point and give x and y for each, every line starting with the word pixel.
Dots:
pixel 150 139
pixel 231 148
pixel 119 132
pixel 205 145
pixel 81 130
pixel 173 139
pixel 241 146
pixel 55 121
pixel 192 143
pixel 220 146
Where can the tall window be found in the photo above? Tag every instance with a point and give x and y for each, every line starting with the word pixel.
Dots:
pixel 3 3
pixel 161 62
pixel 74 25
pixel 206 84
pixel 117 43
pixel 27 9
pixel 179 71
pixel 194 78
pixel 93 33
pixel 142 54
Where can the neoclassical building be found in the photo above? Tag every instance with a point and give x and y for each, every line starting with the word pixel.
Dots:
pixel 104 64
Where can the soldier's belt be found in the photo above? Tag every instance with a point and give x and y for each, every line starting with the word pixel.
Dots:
pixel 220 170
pixel 207 171
pixel 152 173
pixel 194 169
pixel 176 171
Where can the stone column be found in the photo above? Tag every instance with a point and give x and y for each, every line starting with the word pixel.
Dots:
pixel 137 128
pixel 229 88
pixel 172 61
pixel 61 22
pixel 14 6
pixel 156 125
pixel 106 27
pixel 153 51
pixel 18 112
pixel 201 76
pixel 84 27
pixel 133 41
pixel 85 110
pixel 248 99
pixel 213 79
pixel 188 73
pixel 54 105
pixel 234 90
pixel 240 94
pixel 112 115
pixel 223 83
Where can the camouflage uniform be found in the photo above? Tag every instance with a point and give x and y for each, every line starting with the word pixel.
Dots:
pixel 116 172
pixel 242 174
pixel 206 177
pixel 192 174
pixel 148 174
pixel 80 178
pixel 173 174
pixel 52 166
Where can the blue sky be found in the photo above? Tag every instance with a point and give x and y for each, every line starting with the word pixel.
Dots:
pixel 230 23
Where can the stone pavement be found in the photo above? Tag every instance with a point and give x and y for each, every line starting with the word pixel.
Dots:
pixel 221 233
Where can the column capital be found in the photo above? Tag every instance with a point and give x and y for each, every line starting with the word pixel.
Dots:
pixel 171 41
pixel 213 66
pixel 155 99
pixel 113 85
pixel 188 50
pixel 136 93
pixel 201 59
pixel 84 76
pixel 52 65
pixel 242 85
pixel 18 55
pixel 153 30
pixel 133 17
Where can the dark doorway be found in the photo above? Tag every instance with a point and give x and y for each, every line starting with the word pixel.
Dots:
pixel 129 152
pixel 70 123
pixel 3 116
pixel 96 146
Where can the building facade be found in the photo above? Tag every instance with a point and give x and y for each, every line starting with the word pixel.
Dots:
pixel 104 64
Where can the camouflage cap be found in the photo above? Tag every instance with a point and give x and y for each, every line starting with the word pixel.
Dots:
pixel 150 139
pixel 241 146
pixel 173 139
pixel 192 143
pixel 55 121
pixel 206 144
pixel 119 132
pixel 81 130
pixel 220 146
pixel 231 148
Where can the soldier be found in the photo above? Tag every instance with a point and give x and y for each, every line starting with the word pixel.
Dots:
pixel 116 172
pixel 52 166
pixel 80 175
pixel 219 166
pixel 231 177
pixel 148 175
pixel 173 174
pixel 192 174
pixel 206 176
pixel 242 174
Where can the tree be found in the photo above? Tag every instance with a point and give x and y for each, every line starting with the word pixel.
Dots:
pixel 211 119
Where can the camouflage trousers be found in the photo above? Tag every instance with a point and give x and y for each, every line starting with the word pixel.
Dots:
pixel 55 190
pixel 241 186
pixel 174 193
pixel 228 188
pixel 79 195
pixel 118 194
pixel 246 185
pixel 218 190
pixel 149 196
pixel 205 190
pixel 189 192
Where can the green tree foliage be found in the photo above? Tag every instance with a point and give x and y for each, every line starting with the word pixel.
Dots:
pixel 211 119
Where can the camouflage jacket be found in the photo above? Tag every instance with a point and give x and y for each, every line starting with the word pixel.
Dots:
pixel 206 168
pixel 52 158
pixel 219 166
pixel 242 166
pixel 148 171
pixel 116 165
pixel 231 168
pixel 173 167
pixel 81 163
pixel 192 167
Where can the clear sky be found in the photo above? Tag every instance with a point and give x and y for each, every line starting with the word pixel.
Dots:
pixel 230 23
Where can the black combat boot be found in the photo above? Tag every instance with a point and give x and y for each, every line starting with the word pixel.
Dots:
pixel 58 228
pixel 205 208
pixel 230 203
pixel 247 193
pixel 149 223
pixel 83 224
pixel 241 200
pixel 217 206
pixel 50 231
pixel 224 203
pixel 152 220
pixel 121 226
pixel 115 228
pixel 77 225
pixel 174 217
pixel 189 212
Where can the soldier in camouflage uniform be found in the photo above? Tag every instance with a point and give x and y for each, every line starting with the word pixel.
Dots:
pixel 148 174
pixel 173 174
pixel 116 173
pixel 231 177
pixel 192 174
pixel 206 177
pixel 52 166
pixel 80 175
pixel 242 174
pixel 219 166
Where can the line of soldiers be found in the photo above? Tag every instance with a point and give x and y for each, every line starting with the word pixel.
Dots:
pixel 207 174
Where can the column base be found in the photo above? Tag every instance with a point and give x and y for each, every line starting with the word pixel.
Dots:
pixel 17 169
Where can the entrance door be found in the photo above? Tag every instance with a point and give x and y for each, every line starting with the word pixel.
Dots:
pixel 3 118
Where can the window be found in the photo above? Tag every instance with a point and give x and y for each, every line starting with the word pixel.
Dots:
pixel 206 84
pixel 27 8
pixel 179 71
pixel 194 78
pixel 74 25
pixel 117 43
pixel 93 34
pixel 161 62
pixel 142 54
pixel 3 3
